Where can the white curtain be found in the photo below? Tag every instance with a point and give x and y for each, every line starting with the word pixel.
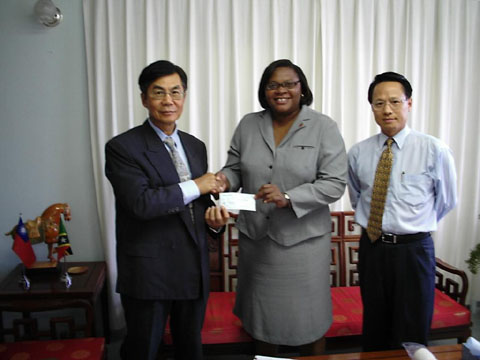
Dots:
pixel 224 46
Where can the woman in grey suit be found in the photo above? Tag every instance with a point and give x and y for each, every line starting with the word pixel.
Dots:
pixel 293 158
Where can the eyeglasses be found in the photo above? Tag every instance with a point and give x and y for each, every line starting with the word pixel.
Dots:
pixel 394 104
pixel 160 94
pixel 286 84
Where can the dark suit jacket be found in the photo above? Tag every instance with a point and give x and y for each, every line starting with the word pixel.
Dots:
pixel 161 254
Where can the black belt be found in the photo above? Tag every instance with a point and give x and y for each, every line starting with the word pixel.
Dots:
pixel 402 239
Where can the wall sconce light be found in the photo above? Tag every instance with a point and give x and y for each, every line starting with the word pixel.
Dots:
pixel 47 13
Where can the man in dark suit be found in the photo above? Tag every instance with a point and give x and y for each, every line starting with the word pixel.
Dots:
pixel 163 206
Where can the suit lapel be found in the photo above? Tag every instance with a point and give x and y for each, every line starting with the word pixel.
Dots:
pixel 159 157
pixel 300 123
pixel 197 166
pixel 162 162
pixel 194 161
pixel 266 127
pixel 266 130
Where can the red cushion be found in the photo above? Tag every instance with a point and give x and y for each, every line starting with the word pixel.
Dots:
pixel 221 326
pixel 347 311
pixel 447 312
pixel 85 349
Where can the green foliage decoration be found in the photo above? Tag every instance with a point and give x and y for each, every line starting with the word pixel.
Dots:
pixel 474 260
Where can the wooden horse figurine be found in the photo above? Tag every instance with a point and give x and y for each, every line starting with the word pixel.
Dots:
pixel 45 228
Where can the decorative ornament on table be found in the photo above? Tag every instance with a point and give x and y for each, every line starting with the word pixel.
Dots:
pixel 51 218
pixel 23 248
pixel 63 249
pixel 45 229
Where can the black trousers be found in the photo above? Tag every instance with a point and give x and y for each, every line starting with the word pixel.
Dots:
pixel 146 321
pixel 397 283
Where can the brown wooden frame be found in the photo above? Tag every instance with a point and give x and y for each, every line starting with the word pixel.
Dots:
pixel 345 243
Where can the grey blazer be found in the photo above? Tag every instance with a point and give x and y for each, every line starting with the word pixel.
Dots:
pixel 310 164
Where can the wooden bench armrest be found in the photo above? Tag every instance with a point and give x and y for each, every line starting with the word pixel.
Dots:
pixel 456 289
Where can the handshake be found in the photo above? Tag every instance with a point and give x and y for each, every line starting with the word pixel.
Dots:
pixel 216 217
pixel 214 184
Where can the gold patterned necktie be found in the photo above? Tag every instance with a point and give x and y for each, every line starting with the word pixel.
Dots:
pixel 379 192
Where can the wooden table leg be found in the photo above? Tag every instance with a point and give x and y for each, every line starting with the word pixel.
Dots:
pixel 105 314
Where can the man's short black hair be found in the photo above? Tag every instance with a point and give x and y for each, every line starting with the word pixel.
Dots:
pixel 390 76
pixel 158 69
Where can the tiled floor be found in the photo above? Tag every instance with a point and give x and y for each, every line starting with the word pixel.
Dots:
pixel 113 347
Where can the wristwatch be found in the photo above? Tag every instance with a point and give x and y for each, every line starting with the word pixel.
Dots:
pixel 287 197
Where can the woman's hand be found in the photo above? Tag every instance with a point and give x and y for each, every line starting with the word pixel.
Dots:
pixel 270 193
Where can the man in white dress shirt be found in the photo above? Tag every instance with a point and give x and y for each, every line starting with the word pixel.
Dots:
pixel 397 267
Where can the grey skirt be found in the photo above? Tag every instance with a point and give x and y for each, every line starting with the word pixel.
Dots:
pixel 283 293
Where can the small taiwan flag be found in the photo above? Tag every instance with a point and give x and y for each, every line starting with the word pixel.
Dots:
pixel 22 246
pixel 63 248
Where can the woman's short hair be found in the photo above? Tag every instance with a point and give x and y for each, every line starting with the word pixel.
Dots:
pixel 390 76
pixel 159 69
pixel 307 96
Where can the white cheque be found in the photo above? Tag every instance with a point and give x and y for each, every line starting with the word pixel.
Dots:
pixel 237 201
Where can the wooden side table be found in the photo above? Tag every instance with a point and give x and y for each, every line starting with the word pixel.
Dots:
pixel 48 292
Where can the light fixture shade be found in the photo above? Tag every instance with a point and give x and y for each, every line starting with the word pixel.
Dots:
pixel 47 13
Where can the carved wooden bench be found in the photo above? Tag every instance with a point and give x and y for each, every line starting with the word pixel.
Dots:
pixel 223 332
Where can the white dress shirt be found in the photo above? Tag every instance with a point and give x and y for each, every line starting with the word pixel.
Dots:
pixel 423 182
pixel 189 188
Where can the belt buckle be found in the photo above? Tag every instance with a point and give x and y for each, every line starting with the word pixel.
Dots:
pixel 393 237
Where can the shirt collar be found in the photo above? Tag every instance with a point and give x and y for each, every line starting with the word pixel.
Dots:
pixel 399 138
pixel 162 135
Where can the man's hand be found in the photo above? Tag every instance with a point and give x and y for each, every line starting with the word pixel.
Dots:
pixel 222 183
pixel 216 216
pixel 206 183
pixel 270 193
